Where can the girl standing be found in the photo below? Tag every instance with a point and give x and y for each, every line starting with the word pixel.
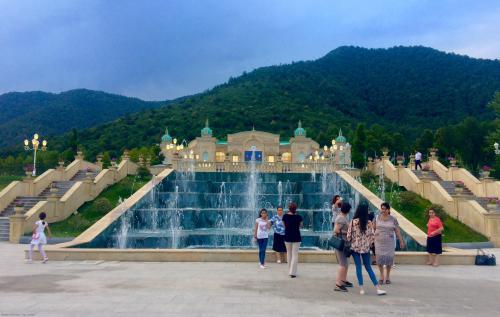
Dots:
pixel 38 238
pixel 386 226
pixel 361 236
pixel 434 243
pixel 261 234
pixel 279 235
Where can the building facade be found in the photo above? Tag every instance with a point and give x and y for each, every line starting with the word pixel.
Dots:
pixel 259 146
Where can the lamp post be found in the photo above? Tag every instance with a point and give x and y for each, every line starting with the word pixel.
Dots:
pixel 35 143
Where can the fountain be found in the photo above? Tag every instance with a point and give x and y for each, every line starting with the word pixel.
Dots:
pixel 217 210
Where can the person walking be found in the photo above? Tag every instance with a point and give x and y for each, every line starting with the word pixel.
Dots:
pixel 418 160
pixel 340 230
pixel 279 235
pixel 361 236
pixel 434 238
pixel 292 222
pixel 38 238
pixel 386 227
pixel 261 234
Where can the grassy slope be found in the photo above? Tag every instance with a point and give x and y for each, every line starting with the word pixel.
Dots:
pixel 7 179
pixel 88 213
pixel 414 210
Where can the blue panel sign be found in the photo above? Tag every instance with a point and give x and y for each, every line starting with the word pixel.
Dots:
pixel 258 156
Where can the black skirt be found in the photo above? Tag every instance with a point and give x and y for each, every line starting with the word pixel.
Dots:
pixel 434 245
pixel 279 243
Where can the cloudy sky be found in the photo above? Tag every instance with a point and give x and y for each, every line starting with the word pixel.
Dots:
pixel 158 50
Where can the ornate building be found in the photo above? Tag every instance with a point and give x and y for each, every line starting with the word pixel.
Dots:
pixel 255 145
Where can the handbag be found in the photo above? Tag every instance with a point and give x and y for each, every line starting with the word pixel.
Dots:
pixel 347 245
pixel 336 243
pixel 485 259
pixel 35 236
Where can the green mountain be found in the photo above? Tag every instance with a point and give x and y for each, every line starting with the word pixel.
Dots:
pixel 22 114
pixel 401 90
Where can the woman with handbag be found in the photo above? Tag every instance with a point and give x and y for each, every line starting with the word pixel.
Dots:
pixel 38 238
pixel 361 235
pixel 340 231
pixel 434 244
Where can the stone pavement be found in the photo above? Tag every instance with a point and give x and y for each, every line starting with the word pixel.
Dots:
pixel 97 288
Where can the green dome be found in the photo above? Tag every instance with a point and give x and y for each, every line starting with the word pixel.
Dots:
pixel 341 138
pixel 206 131
pixel 166 137
pixel 300 131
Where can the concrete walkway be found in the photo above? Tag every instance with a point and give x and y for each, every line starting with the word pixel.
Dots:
pixel 96 288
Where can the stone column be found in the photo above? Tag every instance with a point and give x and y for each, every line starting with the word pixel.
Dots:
pixel 458 199
pixel 28 180
pixel 53 202
pixel 99 162
pixel 371 164
pixel 411 163
pixel 89 181
pixel 79 155
pixel 17 224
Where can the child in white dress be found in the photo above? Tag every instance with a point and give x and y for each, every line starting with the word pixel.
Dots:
pixel 38 238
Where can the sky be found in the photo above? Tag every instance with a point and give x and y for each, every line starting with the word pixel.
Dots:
pixel 158 50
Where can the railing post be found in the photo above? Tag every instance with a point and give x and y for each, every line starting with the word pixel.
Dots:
pixel 17 221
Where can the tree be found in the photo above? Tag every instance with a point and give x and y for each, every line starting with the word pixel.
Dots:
pixel 425 141
pixel 359 146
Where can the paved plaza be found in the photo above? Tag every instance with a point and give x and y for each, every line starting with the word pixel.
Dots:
pixel 97 288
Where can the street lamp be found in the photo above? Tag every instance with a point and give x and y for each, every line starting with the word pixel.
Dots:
pixel 497 150
pixel 35 144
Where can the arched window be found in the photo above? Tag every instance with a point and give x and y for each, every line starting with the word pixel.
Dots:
pixel 205 156
pixel 302 157
pixel 286 157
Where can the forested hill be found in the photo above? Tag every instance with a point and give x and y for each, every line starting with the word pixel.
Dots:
pixel 22 114
pixel 403 89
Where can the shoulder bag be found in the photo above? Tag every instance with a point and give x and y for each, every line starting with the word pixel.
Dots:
pixel 485 259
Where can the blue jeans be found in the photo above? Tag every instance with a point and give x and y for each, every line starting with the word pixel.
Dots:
pixel 262 250
pixel 368 266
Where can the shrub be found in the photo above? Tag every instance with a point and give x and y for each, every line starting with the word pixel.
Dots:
pixel 143 172
pixel 103 205
pixel 408 198
pixel 367 176
pixel 439 210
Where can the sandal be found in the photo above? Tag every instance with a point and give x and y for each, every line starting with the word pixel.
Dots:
pixel 387 281
pixel 381 282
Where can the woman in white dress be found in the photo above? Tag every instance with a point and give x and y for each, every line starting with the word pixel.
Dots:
pixel 38 238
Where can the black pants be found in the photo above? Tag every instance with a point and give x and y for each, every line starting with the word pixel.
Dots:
pixel 417 164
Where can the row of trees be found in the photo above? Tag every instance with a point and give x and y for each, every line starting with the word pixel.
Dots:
pixel 470 141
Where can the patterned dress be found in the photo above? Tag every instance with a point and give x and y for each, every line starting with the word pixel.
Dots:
pixel 384 239
pixel 360 241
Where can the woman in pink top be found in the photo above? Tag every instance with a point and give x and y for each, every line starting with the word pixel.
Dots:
pixel 434 244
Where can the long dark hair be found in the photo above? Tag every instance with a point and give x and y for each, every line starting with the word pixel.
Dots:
pixel 335 198
pixel 362 214
pixel 345 208
pixel 292 208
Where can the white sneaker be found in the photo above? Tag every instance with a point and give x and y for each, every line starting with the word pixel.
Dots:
pixel 279 261
pixel 381 292
pixel 28 261
pixel 45 260
pixel 362 291
pixel 263 266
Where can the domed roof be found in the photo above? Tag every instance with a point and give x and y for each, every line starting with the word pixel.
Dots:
pixel 341 138
pixel 300 131
pixel 206 131
pixel 166 137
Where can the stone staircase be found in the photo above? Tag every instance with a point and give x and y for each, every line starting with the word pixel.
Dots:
pixel 4 228
pixel 29 201
pixel 450 188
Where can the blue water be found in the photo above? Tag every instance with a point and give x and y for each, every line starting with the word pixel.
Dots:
pixel 218 210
